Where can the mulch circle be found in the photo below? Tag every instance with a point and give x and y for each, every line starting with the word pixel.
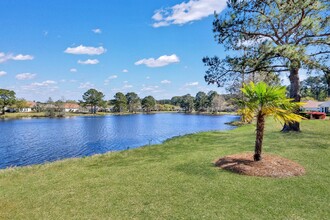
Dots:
pixel 269 166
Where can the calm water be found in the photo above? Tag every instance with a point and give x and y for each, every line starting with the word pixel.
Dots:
pixel 35 141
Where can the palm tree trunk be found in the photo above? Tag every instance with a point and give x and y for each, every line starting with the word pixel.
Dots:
pixel 259 136
pixel 295 95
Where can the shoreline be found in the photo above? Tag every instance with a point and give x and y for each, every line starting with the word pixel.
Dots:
pixel 122 150
pixel 26 115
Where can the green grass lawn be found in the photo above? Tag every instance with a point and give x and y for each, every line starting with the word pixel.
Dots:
pixel 176 180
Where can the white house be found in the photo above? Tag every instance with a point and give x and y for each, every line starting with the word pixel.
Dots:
pixel 71 107
pixel 311 106
pixel 325 107
pixel 28 107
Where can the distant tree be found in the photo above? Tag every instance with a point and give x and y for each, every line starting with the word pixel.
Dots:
pixel 7 98
pixel 187 103
pixel 148 103
pixel 272 36
pixel 218 103
pixel 39 107
pixel 201 102
pixel 59 108
pixel 120 102
pixel 262 100
pixel 103 105
pixel 314 86
pixel 176 100
pixel 20 104
pixel 71 101
pixel 50 108
pixel 93 98
pixel 133 102
pixel 210 96
pixel 164 101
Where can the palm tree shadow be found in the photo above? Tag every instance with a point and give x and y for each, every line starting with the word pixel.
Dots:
pixel 233 164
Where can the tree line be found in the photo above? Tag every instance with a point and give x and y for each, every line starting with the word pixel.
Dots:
pixel 93 101
pixel 132 103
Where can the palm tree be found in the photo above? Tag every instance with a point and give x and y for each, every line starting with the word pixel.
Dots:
pixel 262 100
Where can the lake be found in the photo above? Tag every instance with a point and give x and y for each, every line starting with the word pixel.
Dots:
pixel 35 141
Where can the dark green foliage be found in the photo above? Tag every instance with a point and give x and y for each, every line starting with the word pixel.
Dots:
pixel 148 103
pixel 120 103
pixel 93 98
pixel 187 103
pixel 201 102
pixel 314 86
pixel 176 100
pixel 133 102
pixel 7 98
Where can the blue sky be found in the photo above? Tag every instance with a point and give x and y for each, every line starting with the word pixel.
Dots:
pixel 63 48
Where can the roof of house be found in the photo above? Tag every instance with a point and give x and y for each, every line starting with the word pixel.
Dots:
pixel 325 104
pixel 71 105
pixel 31 104
pixel 312 104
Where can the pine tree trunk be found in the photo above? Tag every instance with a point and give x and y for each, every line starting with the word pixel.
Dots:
pixel 327 78
pixel 295 95
pixel 259 136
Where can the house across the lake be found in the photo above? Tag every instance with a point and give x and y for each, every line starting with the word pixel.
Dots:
pixel 29 106
pixel 311 106
pixel 71 107
pixel 325 107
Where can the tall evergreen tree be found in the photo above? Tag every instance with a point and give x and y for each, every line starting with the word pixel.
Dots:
pixel 133 102
pixel 120 102
pixel 93 98
pixel 201 102
pixel 148 103
pixel 187 103
pixel 277 36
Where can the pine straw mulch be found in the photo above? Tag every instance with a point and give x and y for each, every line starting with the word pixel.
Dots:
pixel 269 166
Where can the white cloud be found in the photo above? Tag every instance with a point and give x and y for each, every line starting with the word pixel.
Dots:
pixel 44 83
pixel 165 81
pixel 48 84
pixel 148 77
pixel 5 57
pixel 22 57
pixel 125 71
pixel 126 86
pixel 149 88
pixel 107 80
pixel 97 31
pixel 86 85
pixel 2 73
pixel 192 84
pixel 73 70
pixel 89 62
pixel 186 12
pixel 113 77
pixel 25 76
pixel 85 50
pixel 160 61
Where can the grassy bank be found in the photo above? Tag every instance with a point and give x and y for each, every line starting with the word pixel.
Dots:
pixel 176 180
